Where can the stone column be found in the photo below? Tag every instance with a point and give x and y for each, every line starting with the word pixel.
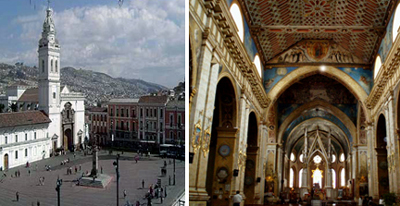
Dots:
pixel 356 167
pixel 304 181
pixel 328 187
pixel 263 138
pixel 392 140
pixel 202 113
pixel 372 162
pixel 238 182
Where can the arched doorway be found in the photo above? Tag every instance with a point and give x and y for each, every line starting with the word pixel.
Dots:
pixel 68 143
pixel 381 143
pixel 68 120
pixel 251 161
pixel 6 162
pixel 223 132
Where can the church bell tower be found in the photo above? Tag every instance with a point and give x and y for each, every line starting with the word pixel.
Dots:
pixel 49 75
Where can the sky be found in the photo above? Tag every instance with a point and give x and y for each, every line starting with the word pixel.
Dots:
pixel 141 39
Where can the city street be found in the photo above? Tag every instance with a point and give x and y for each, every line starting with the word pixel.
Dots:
pixel 132 174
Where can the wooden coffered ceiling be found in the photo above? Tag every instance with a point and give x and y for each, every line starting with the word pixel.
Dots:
pixel 356 25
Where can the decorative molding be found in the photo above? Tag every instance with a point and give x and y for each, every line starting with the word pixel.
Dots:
pixel 196 139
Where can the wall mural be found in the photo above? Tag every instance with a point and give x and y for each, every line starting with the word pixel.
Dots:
pixel 362 76
pixel 387 41
pixel 317 87
pixel 248 42
pixel 312 114
pixel 323 51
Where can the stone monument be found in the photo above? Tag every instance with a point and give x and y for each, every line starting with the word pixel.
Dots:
pixel 95 179
pixel 95 162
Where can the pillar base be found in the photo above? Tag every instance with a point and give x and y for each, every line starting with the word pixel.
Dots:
pixel 302 191
pixel 329 193
pixel 198 197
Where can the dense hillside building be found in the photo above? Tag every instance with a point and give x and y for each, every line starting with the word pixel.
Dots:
pixel 289 98
pixel 59 124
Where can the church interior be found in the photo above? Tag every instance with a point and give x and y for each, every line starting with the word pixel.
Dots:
pixel 292 100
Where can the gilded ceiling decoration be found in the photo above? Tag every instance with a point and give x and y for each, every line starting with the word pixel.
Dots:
pixel 356 26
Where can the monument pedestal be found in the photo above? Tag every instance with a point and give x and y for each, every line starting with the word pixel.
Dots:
pixel 101 181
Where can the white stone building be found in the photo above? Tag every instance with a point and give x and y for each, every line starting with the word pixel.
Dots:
pixel 64 109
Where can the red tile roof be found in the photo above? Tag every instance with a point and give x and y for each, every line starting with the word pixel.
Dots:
pixel 30 95
pixel 23 118
pixel 153 99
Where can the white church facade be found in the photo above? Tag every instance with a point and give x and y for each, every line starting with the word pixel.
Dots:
pixel 61 112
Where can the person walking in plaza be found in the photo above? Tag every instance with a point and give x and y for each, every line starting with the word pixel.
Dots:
pixel 17 196
pixel 142 184
pixel 237 199
pixel 124 194
pixel 38 203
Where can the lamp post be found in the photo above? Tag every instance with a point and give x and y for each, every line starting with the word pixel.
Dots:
pixel 59 183
pixel 116 165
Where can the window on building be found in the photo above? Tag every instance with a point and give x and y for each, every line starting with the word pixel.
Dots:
pixel 111 112
pixel 179 135
pixel 301 158
pixel 117 112
pixel 171 134
pixel 161 113
pixel 133 113
pixel 317 159
pixel 127 112
pixel 300 174
pixel 291 180
pixel 51 65
pixel 317 176
pixel 155 112
pixel 127 126
pixel 171 119
pixel 147 112
pixel 161 127
pixel 122 112
pixel 292 157
pixel 122 125
pixel 56 66
pixel 238 19
pixel 34 135
pixel 5 140
pixel 141 112
pixel 333 158
pixel 26 137
pixel 16 138
pixel 343 177
pixel 333 178
pixel 342 158
pixel 16 154
pixel 26 152
pixel 179 120
pixel 54 95
pixel 257 63
pixel 396 23
pixel 42 66
pixel 377 67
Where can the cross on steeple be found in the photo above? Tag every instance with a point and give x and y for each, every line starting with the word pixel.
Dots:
pixel 48 4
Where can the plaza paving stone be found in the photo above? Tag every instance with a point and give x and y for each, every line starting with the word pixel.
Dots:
pixel 131 177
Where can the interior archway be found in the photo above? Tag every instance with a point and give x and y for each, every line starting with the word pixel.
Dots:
pixel 329 71
pixel 381 151
pixel 250 178
pixel 223 133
